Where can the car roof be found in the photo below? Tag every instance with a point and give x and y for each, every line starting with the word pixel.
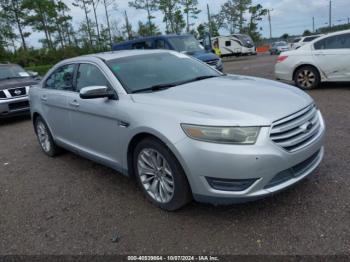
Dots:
pixel 107 56
pixel 331 34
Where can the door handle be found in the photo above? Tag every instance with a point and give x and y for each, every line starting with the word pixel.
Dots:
pixel 74 103
pixel 43 98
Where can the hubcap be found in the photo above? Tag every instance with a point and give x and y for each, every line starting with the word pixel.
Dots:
pixel 306 78
pixel 43 136
pixel 156 175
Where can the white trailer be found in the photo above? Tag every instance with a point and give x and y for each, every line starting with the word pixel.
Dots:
pixel 228 45
pixel 246 43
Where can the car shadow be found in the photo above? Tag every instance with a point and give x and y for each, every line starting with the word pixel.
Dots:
pixel 14 120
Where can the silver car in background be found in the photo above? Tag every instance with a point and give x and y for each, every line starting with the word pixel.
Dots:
pixel 182 129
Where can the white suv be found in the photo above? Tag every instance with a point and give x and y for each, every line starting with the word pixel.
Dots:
pixel 301 41
pixel 325 59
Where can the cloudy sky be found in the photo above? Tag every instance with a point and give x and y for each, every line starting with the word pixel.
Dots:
pixel 288 16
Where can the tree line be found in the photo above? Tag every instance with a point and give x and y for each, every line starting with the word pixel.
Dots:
pixel 63 37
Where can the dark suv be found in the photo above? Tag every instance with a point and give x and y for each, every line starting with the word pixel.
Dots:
pixel 14 86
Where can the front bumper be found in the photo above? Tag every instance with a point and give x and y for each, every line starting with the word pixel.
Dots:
pixel 262 161
pixel 14 106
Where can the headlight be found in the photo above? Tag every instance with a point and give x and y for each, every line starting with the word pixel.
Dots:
pixel 225 135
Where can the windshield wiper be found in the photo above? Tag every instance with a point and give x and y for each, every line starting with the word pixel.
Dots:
pixel 198 78
pixel 12 77
pixel 155 88
pixel 166 86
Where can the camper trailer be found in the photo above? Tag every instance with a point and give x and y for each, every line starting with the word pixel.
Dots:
pixel 228 45
pixel 246 43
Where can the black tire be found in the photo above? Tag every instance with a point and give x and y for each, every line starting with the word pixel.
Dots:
pixel 181 189
pixel 307 77
pixel 53 149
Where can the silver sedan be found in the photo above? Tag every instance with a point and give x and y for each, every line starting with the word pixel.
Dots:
pixel 182 129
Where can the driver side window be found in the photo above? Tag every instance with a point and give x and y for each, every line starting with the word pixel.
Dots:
pixel 62 78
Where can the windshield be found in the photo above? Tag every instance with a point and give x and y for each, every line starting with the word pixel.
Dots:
pixel 146 71
pixel 12 71
pixel 296 40
pixel 187 44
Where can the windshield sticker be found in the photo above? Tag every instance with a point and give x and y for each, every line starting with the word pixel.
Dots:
pixel 23 74
pixel 116 68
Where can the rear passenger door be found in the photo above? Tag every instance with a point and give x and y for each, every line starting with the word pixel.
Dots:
pixel 56 89
pixel 95 122
pixel 332 55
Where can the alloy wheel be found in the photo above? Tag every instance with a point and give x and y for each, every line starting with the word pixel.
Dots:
pixel 43 136
pixel 306 78
pixel 156 175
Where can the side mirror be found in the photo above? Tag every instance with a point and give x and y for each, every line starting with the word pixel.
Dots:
pixel 93 92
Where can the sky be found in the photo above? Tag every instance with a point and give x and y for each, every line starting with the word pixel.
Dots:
pixel 287 16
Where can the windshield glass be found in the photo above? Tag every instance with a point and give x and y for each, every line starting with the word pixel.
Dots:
pixel 12 71
pixel 187 44
pixel 145 71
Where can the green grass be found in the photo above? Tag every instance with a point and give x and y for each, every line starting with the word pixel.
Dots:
pixel 42 70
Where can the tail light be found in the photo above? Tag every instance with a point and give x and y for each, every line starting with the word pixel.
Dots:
pixel 281 58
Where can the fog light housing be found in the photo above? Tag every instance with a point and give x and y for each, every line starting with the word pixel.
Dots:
pixel 230 184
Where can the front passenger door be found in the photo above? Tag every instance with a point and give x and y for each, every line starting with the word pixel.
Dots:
pixel 95 122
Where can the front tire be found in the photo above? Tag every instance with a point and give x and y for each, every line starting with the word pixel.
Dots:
pixel 45 139
pixel 307 78
pixel 160 175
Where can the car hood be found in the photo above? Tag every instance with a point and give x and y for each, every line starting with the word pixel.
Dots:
pixel 17 82
pixel 205 56
pixel 229 100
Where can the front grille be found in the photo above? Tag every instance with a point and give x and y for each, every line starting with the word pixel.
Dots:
pixel 212 62
pixel 21 91
pixel 296 131
pixel 19 105
pixel 295 171
pixel 2 94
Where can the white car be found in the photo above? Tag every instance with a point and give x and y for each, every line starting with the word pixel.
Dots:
pixel 301 41
pixel 326 59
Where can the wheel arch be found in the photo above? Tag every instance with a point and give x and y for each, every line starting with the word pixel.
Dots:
pixel 136 138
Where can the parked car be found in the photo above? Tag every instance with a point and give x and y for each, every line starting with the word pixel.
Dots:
pixel 181 128
pixel 300 41
pixel 326 59
pixel 279 47
pixel 187 44
pixel 14 86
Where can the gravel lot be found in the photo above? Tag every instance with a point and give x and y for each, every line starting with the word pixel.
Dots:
pixel 69 205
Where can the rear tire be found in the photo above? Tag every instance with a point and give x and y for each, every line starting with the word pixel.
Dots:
pixel 307 78
pixel 160 175
pixel 45 139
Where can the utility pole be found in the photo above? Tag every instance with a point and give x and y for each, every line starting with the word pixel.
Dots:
pixel 127 26
pixel 348 20
pixel 209 21
pixel 269 17
pixel 330 13
pixel 313 24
